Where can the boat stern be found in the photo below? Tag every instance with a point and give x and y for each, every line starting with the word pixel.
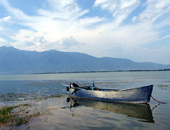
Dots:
pixel 149 90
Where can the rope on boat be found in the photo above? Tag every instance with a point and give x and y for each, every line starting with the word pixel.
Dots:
pixel 157 100
pixel 155 107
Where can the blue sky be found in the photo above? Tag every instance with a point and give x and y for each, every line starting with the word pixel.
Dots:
pixel 134 29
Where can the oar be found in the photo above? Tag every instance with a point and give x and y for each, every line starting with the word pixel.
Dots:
pixel 66 85
pixel 75 88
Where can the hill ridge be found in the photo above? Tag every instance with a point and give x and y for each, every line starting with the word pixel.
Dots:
pixel 15 61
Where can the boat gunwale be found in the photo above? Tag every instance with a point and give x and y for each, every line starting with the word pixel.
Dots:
pixel 112 90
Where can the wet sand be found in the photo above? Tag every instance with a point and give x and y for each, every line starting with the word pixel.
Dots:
pixel 58 114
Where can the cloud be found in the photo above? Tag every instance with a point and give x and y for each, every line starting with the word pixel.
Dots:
pixel 119 8
pixel 16 13
pixel 63 22
pixel 29 40
pixel 1 27
pixel 5 19
pixel 54 26
pixel 63 9
pixel 32 40
pixel 68 42
pixel 64 5
pixel 64 25
pixel 134 18
pixel 3 42
pixel 167 36
pixel 154 10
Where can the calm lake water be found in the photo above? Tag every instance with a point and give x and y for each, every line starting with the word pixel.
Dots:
pixel 83 114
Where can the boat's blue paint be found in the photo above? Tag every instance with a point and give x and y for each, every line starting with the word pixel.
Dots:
pixel 133 95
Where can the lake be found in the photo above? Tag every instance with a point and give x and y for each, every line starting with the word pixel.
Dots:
pixel 46 94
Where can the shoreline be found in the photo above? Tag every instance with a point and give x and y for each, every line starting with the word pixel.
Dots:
pixel 101 71
pixel 73 72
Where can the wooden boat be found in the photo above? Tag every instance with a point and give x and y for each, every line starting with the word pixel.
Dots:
pixel 131 95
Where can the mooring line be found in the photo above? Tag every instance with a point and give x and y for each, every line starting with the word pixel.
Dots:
pixel 157 100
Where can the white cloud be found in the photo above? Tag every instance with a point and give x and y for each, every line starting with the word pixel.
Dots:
pixel 61 5
pixel 57 23
pixel 29 40
pixel 155 9
pixel 1 28
pixel 165 37
pixel 5 19
pixel 18 14
pixel 66 43
pixel 110 5
pixel 120 8
pixel 64 9
pixel 3 42
pixel 64 27
pixel 134 18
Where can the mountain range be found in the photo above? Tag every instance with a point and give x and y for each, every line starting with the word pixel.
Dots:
pixel 14 61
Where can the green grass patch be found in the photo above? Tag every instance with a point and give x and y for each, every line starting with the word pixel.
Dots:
pixel 25 119
pixel 7 116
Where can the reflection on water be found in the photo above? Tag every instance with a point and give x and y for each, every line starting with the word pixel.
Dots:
pixel 46 94
pixel 139 111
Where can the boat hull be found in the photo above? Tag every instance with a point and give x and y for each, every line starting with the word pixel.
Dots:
pixel 133 95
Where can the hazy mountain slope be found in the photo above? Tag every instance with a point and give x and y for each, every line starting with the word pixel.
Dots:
pixel 18 61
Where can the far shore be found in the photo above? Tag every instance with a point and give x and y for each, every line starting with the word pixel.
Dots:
pixel 102 71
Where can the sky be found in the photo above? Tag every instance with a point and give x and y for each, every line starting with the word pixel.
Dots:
pixel 138 30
